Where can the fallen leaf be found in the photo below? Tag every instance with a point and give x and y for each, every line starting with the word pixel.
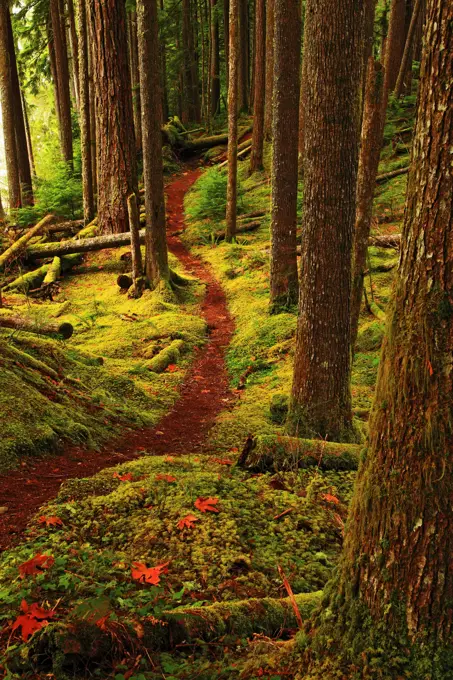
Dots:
pixel 171 368
pixel 36 565
pixel 187 522
pixel 128 477
pixel 140 572
pixel 34 618
pixel 166 478
pixel 206 504
pixel 330 499
pixel 50 521
pixel 169 459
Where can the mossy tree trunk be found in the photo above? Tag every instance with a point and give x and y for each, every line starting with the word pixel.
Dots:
pixel 156 263
pixel 284 284
pixel 117 177
pixel 62 79
pixel 269 59
pixel 394 586
pixel 321 393
pixel 233 86
pixel 84 108
pixel 256 159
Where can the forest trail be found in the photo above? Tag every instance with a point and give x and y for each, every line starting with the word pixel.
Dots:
pixel 203 395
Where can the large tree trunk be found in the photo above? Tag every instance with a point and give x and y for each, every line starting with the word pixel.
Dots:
pixel 8 115
pixel 215 60
pixel 394 46
pixel 156 244
pixel 284 285
pixel 74 51
pixel 243 66
pixel 62 76
pixel 233 86
pixel 321 393
pixel 269 86
pixel 394 586
pixel 190 64
pixel 135 79
pixel 23 158
pixel 163 70
pixel 84 108
pixel 370 153
pixel 117 172
pixel 368 33
pixel 256 160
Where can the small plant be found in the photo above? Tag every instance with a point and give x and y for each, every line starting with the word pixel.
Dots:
pixel 211 196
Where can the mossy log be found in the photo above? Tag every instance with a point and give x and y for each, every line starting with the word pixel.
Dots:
pixel 380 179
pixel 20 245
pixel 54 271
pixel 169 355
pixel 278 453
pixel 89 231
pixel 87 245
pixel 19 323
pixel 24 359
pixel 35 278
pixel 240 154
pixel 176 138
pixel 241 229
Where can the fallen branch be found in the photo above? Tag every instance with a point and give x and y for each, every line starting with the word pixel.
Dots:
pixel 380 179
pixel 35 278
pixel 19 246
pixel 54 271
pixel 266 453
pixel 260 184
pixel 388 241
pixel 167 356
pixel 242 153
pixel 86 245
pixel 18 323
pixel 242 229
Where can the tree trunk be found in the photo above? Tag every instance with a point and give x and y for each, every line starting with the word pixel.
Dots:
pixel 243 67
pixel 92 100
pixel 406 61
pixel 53 69
pixel 19 122
pixel 6 98
pixel 74 51
pixel 62 76
pixel 135 79
pixel 31 158
pixel 136 253
pixel 156 265
pixel 321 394
pixel 190 65
pixel 85 245
pixel 226 37
pixel 394 585
pixel 269 86
pixel 233 86
pixel 284 285
pixel 163 69
pixel 368 32
pixel 215 60
pixel 117 172
pixel 256 160
pixel 65 330
pixel 370 153
pixel 19 246
pixel 84 108
pixel 394 46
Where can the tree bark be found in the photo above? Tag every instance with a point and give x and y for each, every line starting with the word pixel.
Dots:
pixel 321 395
pixel 191 84
pixel 368 32
pixel 6 98
pixel 243 65
pixel 156 265
pixel 84 109
pixel 269 58
pixel 215 60
pixel 85 245
pixel 135 79
pixel 19 122
pixel 31 158
pixel 406 61
pixel 394 586
pixel 65 330
pixel 394 46
pixel 117 172
pixel 163 68
pixel 226 37
pixel 136 253
pixel 370 153
pixel 74 51
pixel 233 87
pixel 62 76
pixel 284 285
pixel 256 160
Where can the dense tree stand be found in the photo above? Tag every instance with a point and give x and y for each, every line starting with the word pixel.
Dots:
pixel 388 612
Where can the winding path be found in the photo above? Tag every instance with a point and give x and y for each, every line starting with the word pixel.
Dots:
pixel 204 393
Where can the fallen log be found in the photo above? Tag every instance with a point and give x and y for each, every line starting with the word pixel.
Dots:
pixel 19 323
pixel 251 215
pixel 125 281
pixel 242 153
pixel 387 241
pixel 19 246
pixel 278 453
pixel 202 143
pixel 380 179
pixel 87 245
pixel 17 356
pixel 35 278
pixel 54 271
pixel 241 229
pixel 169 355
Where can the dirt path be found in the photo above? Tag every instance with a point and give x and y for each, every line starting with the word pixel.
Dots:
pixel 204 393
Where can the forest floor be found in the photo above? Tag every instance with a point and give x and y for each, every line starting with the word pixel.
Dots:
pixel 170 562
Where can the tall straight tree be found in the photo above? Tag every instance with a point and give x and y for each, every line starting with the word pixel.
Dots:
pixel 23 157
pixel 74 50
pixel 62 79
pixel 191 84
pixel 406 62
pixel 233 84
pixel 256 159
pixel 321 393
pixel 244 66
pixel 148 49
pixel 135 78
pixel 117 172
pixel 6 98
pixel 269 86
pixel 226 36
pixel 215 60
pixel 284 284
pixel 394 45
pixel 84 106
pixel 390 603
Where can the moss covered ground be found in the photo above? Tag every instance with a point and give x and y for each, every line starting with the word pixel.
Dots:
pixel 132 556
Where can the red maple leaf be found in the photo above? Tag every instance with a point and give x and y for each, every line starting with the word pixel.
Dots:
pixel 50 521
pixel 187 522
pixel 36 565
pixel 166 478
pixel 206 504
pixel 128 477
pixel 330 499
pixel 140 572
pixel 34 618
